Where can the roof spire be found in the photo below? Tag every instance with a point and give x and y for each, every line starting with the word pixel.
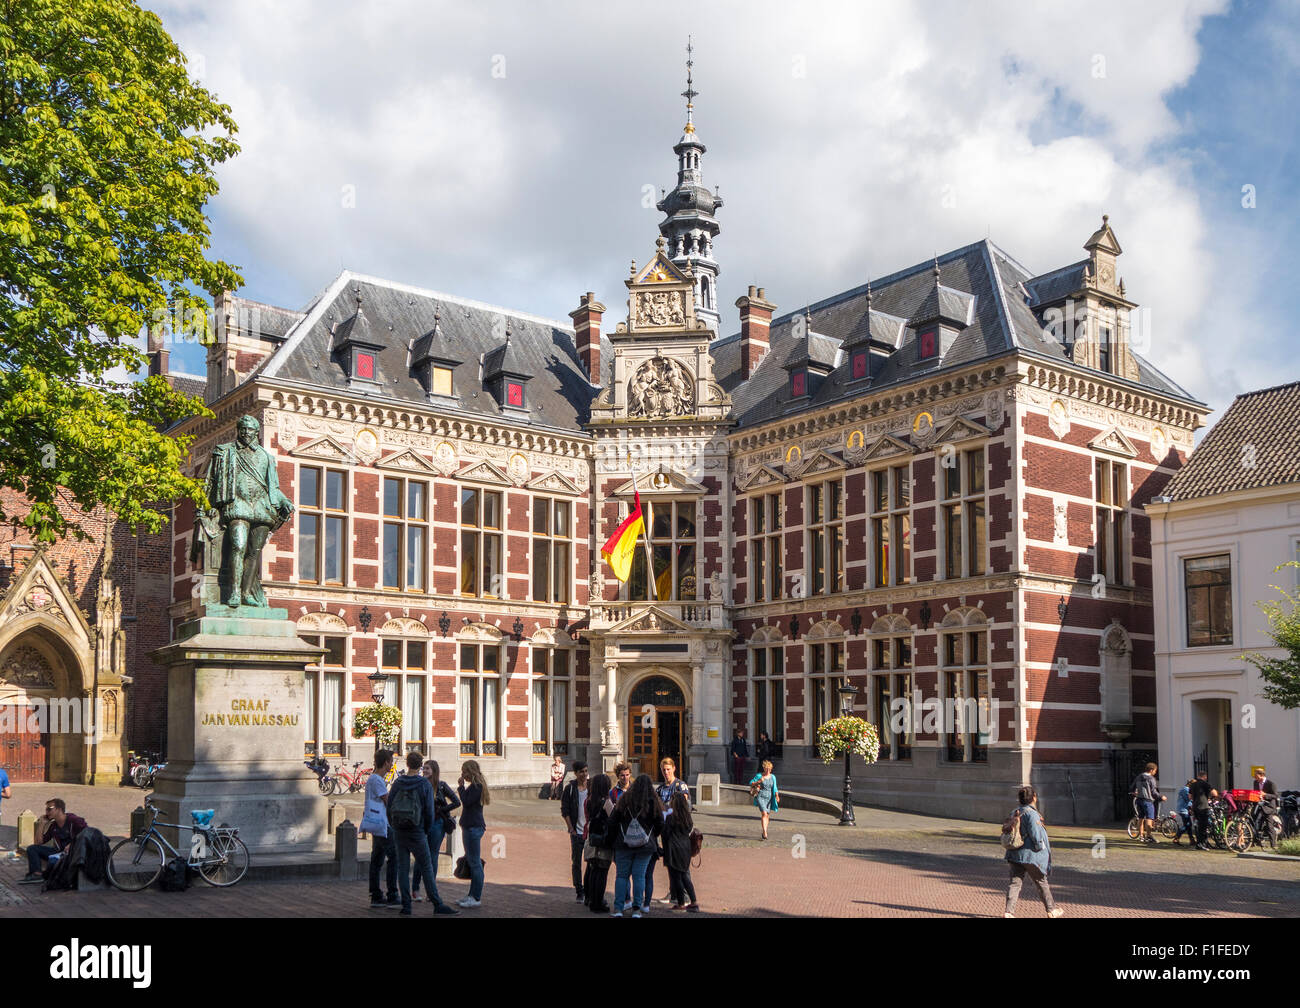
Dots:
pixel 690 92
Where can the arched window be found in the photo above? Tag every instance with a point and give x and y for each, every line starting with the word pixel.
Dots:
pixel 660 691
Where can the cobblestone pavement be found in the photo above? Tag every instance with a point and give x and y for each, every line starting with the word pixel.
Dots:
pixel 890 865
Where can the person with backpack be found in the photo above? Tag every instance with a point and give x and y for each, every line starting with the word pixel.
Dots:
pixel 374 820
pixel 1029 852
pixel 410 810
pixel 669 786
pixel 678 828
pixel 635 822
pixel 598 849
pixel 444 803
pixel 473 791
pixel 1147 794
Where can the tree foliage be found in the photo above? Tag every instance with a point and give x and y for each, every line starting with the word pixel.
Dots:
pixel 107 159
pixel 1281 675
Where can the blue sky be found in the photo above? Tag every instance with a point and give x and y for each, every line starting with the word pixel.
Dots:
pixel 501 152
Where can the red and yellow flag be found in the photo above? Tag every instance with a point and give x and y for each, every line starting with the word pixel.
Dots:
pixel 621 547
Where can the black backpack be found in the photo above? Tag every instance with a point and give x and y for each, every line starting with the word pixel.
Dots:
pixel 405 809
pixel 176 875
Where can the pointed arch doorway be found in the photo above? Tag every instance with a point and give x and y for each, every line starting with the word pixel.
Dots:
pixel 656 715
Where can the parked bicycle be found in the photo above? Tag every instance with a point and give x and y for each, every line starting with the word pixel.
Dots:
pixel 342 781
pixel 142 768
pixel 1230 827
pixel 1168 824
pixel 216 852
pixel 320 766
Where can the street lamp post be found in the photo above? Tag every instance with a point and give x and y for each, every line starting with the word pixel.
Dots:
pixel 377 681
pixel 847 692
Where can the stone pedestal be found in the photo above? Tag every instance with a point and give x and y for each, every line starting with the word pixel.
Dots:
pixel 235 730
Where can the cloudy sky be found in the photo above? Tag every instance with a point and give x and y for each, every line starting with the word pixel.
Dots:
pixel 503 152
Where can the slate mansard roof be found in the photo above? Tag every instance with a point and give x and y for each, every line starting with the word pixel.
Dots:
pixel 1253 446
pixel 990 300
pixel 402 320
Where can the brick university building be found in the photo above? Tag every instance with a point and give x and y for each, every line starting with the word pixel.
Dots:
pixel 930 485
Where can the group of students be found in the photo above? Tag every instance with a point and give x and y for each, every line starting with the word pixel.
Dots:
pixel 630 825
pixel 412 818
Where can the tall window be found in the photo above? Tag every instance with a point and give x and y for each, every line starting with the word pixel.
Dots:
pixel 322 524
pixel 891 526
pixel 1103 348
pixel 405 533
pixel 671 526
pixel 551 694
pixel 825 537
pixel 1208 584
pixel 765 548
pixel 552 572
pixel 768 684
pixel 1112 505
pixel 825 676
pixel 323 698
pixel 480 542
pixel 891 666
pixel 408 687
pixel 479 700
pixel 965 680
pixel 964 513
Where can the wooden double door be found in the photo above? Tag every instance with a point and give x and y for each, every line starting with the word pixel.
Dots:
pixel 22 753
pixel 656 726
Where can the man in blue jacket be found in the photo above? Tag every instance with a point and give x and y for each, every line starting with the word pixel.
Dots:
pixel 410 810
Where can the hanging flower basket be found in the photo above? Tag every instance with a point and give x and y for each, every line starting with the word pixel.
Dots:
pixel 848 734
pixel 380 720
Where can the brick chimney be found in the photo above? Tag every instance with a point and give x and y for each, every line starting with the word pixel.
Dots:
pixel 755 323
pixel 586 333
pixel 158 354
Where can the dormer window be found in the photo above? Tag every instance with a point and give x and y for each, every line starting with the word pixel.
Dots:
pixel 515 394
pixel 441 382
pixel 928 344
pixel 363 365
pixel 798 383
pixel 858 364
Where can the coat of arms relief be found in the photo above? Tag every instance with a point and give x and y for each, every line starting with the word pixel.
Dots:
pixel 661 387
pixel 660 308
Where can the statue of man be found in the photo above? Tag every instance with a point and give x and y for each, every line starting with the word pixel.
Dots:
pixel 244 492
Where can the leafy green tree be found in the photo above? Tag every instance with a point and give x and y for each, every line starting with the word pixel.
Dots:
pixel 107 159
pixel 1281 675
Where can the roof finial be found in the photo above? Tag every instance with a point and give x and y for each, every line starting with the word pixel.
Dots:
pixel 690 92
pixel 868 295
pixel 936 267
pixel 807 320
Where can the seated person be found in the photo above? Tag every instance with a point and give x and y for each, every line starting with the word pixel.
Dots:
pixel 59 830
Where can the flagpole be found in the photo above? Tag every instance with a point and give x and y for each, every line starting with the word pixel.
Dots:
pixel 649 553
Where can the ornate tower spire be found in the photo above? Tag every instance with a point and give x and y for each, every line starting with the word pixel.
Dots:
pixel 689 226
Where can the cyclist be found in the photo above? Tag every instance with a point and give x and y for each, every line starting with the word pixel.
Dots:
pixel 1148 796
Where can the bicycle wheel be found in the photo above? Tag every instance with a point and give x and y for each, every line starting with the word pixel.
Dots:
pixel 326 784
pixel 140 776
pixel 135 863
pixel 233 864
pixel 1168 828
pixel 1240 835
pixel 1133 828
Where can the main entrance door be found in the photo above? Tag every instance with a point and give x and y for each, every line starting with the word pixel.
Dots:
pixel 22 753
pixel 656 720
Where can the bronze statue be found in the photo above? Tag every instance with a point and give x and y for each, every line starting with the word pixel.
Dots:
pixel 247 507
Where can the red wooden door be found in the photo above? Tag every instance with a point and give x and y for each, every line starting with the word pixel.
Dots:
pixel 22 754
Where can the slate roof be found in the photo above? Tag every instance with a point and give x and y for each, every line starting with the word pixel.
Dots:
pixel 1254 445
pixel 190 385
pixel 398 315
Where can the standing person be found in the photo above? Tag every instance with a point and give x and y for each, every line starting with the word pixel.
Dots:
pixel 557 775
pixel 671 785
pixel 410 810
pixel 1147 793
pixel 766 794
pixel 374 820
pixel 622 781
pixel 473 791
pixel 444 802
pixel 739 753
pixel 599 843
pixel 764 748
pixel 573 809
pixel 1184 810
pixel 1201 793
pixel 1033 857
pixel 677 854
pixel 635 822
pixel 4 790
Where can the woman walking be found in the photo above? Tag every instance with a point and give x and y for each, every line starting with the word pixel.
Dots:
pixel 444 801
pixel 473 792
pixel 1033 857
pixel 766 793
pixel 677 855
pixel 633 825
pixel 599 847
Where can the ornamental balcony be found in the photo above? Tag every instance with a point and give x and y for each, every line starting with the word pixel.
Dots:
pixel 657 617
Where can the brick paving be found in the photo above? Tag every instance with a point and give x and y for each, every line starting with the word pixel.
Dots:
pixel 891 865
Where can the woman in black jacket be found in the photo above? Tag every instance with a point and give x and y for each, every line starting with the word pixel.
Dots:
pixel 677 855
pixel 635 822
pixel 598 809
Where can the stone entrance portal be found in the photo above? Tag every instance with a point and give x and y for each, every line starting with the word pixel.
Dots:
pixel 656 722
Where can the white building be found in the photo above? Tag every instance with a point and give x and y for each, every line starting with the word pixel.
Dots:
pixel 1224 525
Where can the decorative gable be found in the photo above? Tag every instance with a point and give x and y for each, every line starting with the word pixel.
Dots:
pixel 761 477
pixel 886 446
pixel 483 472
pixel 821 462
pixel 651 620
pixel 406 461
pixel 39 592
pixel 661 481
pixel 960 429
pixel 1114 442
pixel 553 482
pixel 324 449
pixel 660 269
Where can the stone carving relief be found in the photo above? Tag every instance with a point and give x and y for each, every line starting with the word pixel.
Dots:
pixel 1159 443
pixel 994 409
pixel 517 469
pixel 27 668
pixel 444 458
pixel 659 308
pixel 1058 418
pixel 715 587
pixel 405 625
pixel 39 599
pixel 1060 529
pixel 365 445
pixel 923 431
pixel 318 621
pixel 661 387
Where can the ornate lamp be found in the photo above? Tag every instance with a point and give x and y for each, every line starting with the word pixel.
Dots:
pixel 847 692
pixel 377 680
pixel 1062 608
pixel 925 614
pixel 365 618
